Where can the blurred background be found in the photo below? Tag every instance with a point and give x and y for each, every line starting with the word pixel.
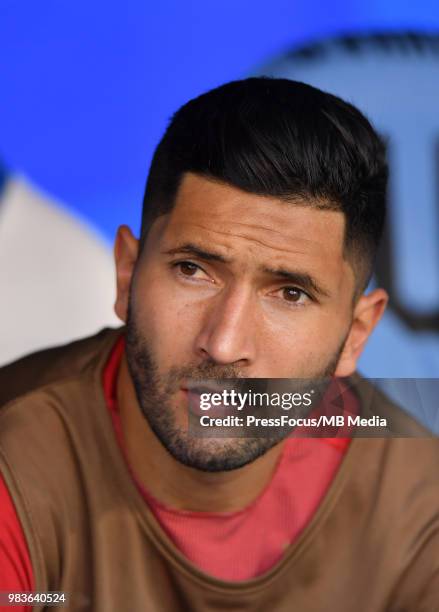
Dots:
pixel 87 89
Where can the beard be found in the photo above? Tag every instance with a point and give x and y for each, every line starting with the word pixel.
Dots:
pixel 154 394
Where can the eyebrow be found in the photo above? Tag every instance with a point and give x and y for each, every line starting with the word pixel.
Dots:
pixel 305 280
pixel 192 249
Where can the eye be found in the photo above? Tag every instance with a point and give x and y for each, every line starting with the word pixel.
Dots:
pixel 294 295
pixel 187 268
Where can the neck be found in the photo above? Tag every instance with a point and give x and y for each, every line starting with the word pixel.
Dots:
pixel 174 484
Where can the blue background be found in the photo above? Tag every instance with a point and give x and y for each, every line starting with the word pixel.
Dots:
pixel 88 87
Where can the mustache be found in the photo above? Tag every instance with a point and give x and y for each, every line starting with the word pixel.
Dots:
pixel 211 371
pixel 206 371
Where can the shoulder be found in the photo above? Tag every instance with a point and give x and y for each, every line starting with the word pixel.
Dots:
pixel 393 468
pixel 402 453
pixel 375 405
pixel 52 403
pixel 52 366
pixel 51 400
pixel 394 475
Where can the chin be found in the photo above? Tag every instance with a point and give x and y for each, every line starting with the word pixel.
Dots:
pixel 219 455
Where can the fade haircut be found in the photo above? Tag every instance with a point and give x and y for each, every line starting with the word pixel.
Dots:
pixel 279 138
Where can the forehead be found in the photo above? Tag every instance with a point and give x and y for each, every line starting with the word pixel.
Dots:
pixel 255 228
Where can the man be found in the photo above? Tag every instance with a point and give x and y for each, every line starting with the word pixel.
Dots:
pixel 262 214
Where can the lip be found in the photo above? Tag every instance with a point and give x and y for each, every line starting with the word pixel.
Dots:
pixel 193 392
pixel 193 400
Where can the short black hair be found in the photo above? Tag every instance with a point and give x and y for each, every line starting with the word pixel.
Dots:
pixel 280 138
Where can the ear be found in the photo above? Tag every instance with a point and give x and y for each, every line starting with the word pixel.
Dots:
pixel 126 249
pixel 367 312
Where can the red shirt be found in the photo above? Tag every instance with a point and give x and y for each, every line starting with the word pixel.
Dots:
pixel 231 546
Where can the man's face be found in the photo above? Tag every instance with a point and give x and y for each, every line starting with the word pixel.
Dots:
pixel 231 284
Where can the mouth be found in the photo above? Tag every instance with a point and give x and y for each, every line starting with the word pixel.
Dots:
pixel 194 390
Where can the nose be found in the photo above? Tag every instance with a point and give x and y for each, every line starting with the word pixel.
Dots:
pixel 228 335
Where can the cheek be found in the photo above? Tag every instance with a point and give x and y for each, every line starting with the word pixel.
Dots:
pixel 167 320
pixel 302 347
